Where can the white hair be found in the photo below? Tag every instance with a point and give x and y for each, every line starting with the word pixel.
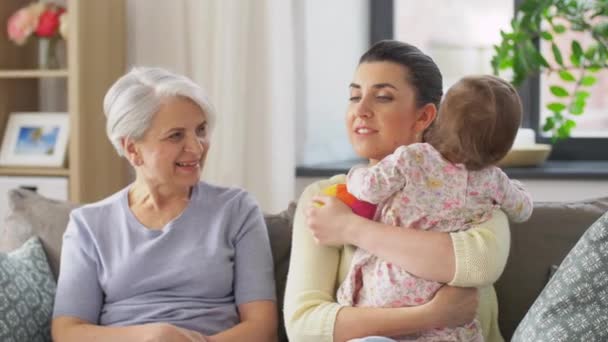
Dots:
pixel 132 101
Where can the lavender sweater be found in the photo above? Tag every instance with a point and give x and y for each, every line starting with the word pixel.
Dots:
pixel 193 273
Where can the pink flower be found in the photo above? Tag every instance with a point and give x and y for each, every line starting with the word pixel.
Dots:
pixel 41 19
pixel 21 25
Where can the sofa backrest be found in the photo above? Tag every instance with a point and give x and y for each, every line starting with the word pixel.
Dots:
pixel 536 245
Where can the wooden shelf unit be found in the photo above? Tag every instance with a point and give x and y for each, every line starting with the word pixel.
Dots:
pixel 95 59
pixel 34 171
pixel 33 73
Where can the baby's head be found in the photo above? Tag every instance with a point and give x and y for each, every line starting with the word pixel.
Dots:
pixel 477 121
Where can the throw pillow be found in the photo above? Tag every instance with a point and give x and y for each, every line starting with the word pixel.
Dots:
pixel 27 290
pixel 30 214
pixel 279 232
pixel 537 245
pixel 573 305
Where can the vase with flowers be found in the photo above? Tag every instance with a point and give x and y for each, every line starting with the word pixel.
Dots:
pixel 44 20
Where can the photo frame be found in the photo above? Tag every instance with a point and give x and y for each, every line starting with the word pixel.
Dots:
pixel 35 139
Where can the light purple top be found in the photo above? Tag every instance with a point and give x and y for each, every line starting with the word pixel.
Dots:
pixel 193 273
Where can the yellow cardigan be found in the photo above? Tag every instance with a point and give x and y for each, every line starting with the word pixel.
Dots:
pixel 315 272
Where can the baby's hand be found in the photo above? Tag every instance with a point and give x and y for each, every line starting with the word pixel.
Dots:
pixel 328 218
pixel 359 207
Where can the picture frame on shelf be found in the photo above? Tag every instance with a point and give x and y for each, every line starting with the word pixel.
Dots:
pixel 35 139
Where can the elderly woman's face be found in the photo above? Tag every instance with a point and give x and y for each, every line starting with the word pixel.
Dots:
pixel 382 113
pixel 174 148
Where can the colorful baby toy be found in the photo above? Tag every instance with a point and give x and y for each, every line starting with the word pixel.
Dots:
pixel 361 208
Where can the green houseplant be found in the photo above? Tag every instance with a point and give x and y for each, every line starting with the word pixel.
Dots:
pixel 577 64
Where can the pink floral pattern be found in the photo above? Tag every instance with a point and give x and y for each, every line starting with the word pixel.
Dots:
pixel 416 187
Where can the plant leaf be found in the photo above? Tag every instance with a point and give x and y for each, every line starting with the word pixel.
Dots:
pixel 570 123
pixel 528 6
pixel 557 54
pixel 566 76
pixel 505 63
pixel 506 35
pixel 588 81
pixel 519 68
pixel 558 91
pixel 559 28
pixel 549 124
pixel 577 53
pixel 581 95
pixel 576 48
pixel 563 131
pixel 535 58
pixel 540 59
pixel 591 51
pixel 546 35
pixel 556 106
pixel 577 107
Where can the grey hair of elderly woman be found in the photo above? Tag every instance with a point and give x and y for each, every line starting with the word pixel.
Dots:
pixel 133 100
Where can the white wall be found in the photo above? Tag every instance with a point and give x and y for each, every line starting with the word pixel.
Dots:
pixel 332 35
pixel 330 38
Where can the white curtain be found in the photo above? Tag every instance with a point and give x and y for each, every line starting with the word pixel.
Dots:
pixel 242 53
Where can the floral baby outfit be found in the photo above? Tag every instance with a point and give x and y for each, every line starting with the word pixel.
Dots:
pixel 417 188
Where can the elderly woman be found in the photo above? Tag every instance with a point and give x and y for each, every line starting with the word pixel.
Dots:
pixel 168 258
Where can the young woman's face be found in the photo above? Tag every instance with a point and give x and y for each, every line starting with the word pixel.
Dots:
pixel 382 113
pixel 174 148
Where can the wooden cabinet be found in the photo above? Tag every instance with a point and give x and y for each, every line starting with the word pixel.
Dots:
pixel 95 53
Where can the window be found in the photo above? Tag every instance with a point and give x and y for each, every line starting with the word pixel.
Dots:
pixel 462 45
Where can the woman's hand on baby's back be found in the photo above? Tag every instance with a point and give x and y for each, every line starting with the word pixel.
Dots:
pixel 329 220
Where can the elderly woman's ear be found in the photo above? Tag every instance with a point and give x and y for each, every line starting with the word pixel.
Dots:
pixel 130 151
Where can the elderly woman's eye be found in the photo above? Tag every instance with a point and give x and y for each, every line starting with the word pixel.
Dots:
pixel 202 130
pixel 176 136
pixel 354 98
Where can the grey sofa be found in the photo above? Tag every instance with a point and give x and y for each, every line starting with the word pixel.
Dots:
pixel 538 245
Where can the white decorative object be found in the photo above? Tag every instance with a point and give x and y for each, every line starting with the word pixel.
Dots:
pixel 35 139
pixel 525 138
pixel 525 150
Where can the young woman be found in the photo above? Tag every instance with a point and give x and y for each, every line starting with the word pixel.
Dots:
pixel 395 94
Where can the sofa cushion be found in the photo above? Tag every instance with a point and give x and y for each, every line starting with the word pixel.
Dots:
pixel 573 305
pixel 30 214
pixel 27 289
pixel 536 245
pixel 279 231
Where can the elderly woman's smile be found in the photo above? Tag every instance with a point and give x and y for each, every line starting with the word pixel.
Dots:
pixel 174 148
